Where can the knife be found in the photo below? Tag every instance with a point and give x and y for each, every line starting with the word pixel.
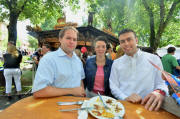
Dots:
pixel 83 108
pixel 71 103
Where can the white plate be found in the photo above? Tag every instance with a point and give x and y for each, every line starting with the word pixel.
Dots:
pixel 115 104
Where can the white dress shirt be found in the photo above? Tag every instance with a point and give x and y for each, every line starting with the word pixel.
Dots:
pixel 136 75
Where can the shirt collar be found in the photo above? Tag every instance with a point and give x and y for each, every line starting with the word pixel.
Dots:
pixel 62 53
pixel 138 53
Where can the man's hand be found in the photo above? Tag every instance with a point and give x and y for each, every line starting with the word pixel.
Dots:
pixel 153 101
pixel 134 98
pixel 79 91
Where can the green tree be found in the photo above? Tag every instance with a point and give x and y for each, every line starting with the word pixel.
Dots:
pixel 33 43
pixel 108 13
pixel 35 10
pixel 166 11
pixel 49 23
pixel 149 18
pixel 170 35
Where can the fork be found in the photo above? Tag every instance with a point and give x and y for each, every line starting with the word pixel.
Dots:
pixel 83 108
pixel 71 103
pixel 105 106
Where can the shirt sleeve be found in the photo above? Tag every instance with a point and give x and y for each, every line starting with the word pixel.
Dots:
pixel 44 75
pixel 174 62
pixel 159 82
pixel 114 84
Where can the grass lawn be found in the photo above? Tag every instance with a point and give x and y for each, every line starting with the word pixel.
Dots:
pixel 26 83
pixel 25 90
pixel 26 77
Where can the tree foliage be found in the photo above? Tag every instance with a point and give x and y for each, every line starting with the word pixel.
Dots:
pixel 155 21
pixel 166 11
pixel 49 23
pixel 33 43
pixel 35 10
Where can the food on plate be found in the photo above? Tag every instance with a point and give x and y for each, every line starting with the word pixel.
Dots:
pixel 109 101
pixel 97 107
pixel 114 109
pixel 96 112
pixel 97 100
pixel 103 113
pixel 107 114
pixel 117 109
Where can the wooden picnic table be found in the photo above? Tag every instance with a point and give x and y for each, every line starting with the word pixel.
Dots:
pixel 47 108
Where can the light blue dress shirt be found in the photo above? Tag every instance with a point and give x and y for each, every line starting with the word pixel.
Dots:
pixel 58 70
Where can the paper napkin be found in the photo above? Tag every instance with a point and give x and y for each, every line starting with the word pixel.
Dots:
pixel 83 114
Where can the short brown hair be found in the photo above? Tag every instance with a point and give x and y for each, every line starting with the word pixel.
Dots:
pixel 62 32
pixel 101 38
pixel 127 31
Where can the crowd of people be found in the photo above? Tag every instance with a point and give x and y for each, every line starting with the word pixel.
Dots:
pixel 129 75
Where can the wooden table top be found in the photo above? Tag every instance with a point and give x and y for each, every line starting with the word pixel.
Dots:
pixel 47 108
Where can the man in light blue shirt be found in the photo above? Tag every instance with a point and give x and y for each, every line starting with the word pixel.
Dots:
pixel 60 72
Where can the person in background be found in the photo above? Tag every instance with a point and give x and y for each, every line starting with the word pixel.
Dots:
pixel 84 54
pixel 113 54
pixel 36 56
pixel 149 50
pixel 97 70
pixel 119 53
pixel 46 48
pixel 176 72
pixel 84 57
pixel 169 61
pixel 60 72
pixel 109 51
pixel 169 64
pixel 90 53
pixel 133 78
pixel 78 53
pixel 12 59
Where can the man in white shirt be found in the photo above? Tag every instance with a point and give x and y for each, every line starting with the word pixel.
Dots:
pixel 133 78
